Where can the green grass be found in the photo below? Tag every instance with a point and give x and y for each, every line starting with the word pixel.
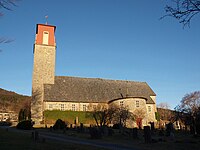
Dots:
pixel 68 116
pixel 21 141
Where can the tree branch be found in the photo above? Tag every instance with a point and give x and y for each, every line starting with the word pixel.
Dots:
pixel 183 11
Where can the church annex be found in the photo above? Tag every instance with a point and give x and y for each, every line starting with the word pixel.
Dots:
pixel 51 92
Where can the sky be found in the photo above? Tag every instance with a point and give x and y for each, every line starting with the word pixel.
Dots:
pixel 109 39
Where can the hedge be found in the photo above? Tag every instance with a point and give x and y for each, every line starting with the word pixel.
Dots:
pixel 68 116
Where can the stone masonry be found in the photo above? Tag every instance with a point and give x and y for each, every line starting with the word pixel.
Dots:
pixel 43 73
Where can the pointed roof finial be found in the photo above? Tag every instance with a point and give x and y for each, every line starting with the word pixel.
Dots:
pixel 46 19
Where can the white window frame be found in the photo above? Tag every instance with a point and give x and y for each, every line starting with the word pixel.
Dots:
pixel 84 107
pixel 50 106
pixel 149 108
pixel 45 39
pixel 62 107
pixel 73 107
pixel 94 107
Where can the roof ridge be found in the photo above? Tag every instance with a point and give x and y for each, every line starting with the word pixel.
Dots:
pixel 101 79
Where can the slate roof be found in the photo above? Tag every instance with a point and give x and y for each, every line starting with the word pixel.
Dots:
pixel 76 89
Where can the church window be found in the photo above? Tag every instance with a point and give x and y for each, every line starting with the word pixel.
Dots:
pixel 137 104
pixel 94 107
pixel 149 108
pixel 84 107
pixel 45 38
pixel 50 106
pixel 62 107
pixel 73 107
pixel 121 104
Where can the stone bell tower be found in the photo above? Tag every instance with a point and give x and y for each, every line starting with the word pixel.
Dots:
pixel 43 68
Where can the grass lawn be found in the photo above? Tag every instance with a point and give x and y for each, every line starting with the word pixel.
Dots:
pixel 22 141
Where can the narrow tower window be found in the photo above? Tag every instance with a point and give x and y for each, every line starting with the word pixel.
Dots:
pixel 45 38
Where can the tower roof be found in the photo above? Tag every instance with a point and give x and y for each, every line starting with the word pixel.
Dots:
pixel 47 25
pixel 45 35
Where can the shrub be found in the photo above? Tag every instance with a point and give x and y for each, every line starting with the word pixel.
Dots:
pixel 157 115
pixel 70 116
pixel 25 125
pixel 5 123
pixel 59 125
pixel 24 114
pixel 117 126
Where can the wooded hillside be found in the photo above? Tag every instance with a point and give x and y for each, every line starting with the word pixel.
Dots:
pixel 11 101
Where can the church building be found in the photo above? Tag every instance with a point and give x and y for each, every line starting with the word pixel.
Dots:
pixel 50 92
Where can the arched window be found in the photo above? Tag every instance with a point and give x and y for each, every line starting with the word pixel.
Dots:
pixel 45 38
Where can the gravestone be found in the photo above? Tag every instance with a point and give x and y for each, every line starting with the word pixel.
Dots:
pixel 169 129
pixel 81 127
pixel 76 120
pixel 135 133
pixel 147 134
pixel 64 130
pixel 152 126
pixel 51 128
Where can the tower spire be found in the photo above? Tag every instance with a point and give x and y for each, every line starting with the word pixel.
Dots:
pixel 46 17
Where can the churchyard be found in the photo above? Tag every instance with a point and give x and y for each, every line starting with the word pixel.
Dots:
pixel 22 141
pixel 129 138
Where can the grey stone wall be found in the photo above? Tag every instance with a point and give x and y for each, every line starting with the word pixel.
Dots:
pixel 43 73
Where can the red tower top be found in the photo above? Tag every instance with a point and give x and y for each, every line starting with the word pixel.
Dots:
pixel 45 35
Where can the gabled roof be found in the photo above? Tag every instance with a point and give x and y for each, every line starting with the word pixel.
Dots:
pixel 76 89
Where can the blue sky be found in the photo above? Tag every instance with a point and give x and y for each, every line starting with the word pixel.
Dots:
pixel 111 39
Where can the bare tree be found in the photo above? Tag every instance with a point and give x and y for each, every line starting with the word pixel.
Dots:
pixel 183 10
pixel 139 115
pixel 100 114
pixel 164 105
pixel 180 116
pixel 190 104
pixel 164 111
pixel 36 103
pixel 122 114
pixel 6 5
pixel 5 40
pixel 104 115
